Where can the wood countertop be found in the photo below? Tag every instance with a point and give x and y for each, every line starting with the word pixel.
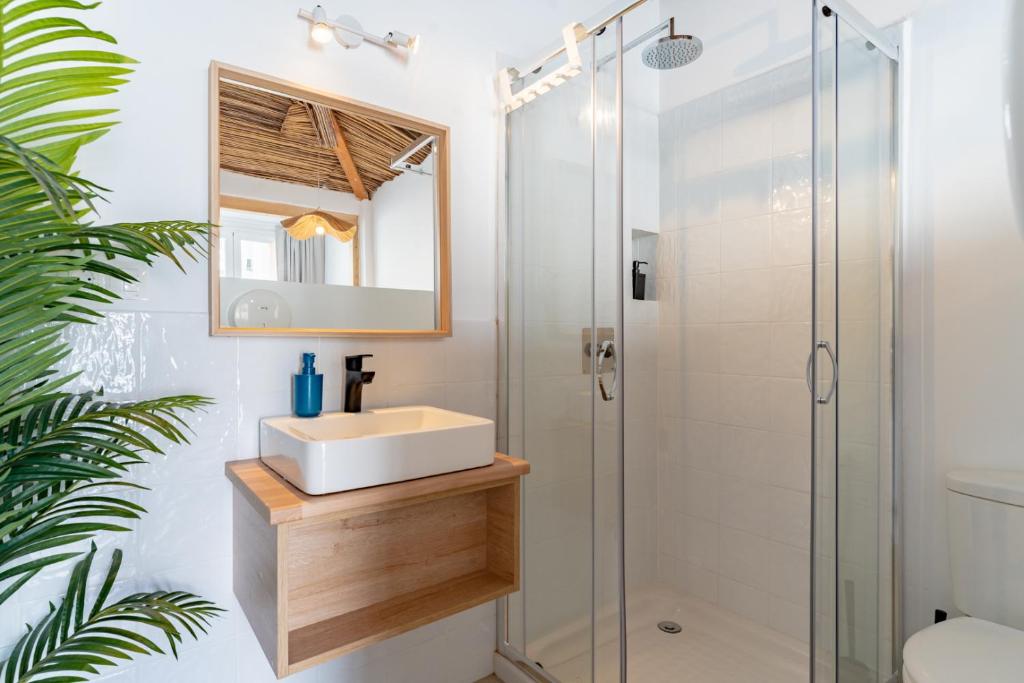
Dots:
pixel 278 501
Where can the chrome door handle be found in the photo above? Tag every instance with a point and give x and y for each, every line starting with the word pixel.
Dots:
pixel 607 350
pixel 827 398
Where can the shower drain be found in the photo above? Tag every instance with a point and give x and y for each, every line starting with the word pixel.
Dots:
pixel 669 627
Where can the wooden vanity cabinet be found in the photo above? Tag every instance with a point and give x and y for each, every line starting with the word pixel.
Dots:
pixel 320 576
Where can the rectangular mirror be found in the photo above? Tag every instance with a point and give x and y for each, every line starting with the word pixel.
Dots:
pixel 331 215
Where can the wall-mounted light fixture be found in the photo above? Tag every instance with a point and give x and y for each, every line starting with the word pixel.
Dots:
pixel 349 32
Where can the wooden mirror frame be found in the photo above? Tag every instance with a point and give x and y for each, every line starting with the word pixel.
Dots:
pixel 442 257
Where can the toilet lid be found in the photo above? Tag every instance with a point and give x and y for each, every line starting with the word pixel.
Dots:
pixel 965 649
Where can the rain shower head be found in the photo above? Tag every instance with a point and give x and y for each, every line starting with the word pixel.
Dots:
pixel 672 51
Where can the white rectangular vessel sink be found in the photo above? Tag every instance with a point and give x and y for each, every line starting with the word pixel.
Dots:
pixel 344 451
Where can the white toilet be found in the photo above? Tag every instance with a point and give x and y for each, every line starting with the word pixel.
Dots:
pixel 986 546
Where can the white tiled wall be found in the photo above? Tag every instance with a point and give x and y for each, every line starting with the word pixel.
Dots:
pixel 734 290
pixel 185 539
pixel 641 442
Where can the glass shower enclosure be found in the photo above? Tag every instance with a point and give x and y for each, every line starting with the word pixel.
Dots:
pixel 698 347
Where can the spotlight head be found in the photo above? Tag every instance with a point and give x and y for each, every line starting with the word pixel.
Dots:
pixel 399 39
pixel 321 31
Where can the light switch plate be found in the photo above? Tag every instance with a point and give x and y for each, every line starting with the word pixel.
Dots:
pixel 133 290
pixel 95 278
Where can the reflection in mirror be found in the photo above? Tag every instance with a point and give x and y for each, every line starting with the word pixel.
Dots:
pixel 329 215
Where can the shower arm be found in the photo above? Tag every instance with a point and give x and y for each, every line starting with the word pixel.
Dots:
pixel 669 24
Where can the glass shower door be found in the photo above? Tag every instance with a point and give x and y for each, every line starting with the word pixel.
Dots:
pixel 865 218
pixel 563 337
pixel 610 397
pixel 855 230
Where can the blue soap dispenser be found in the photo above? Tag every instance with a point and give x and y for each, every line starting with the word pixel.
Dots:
pixel 308 389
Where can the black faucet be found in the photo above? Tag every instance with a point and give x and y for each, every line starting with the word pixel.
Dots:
pixel 355 378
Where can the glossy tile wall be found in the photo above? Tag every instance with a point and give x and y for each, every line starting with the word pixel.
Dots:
pixel 185 539
pixel 641 208
pixel 734 290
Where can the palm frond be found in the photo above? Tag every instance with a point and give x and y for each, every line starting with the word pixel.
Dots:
pixel 54 458
pixel 64 458
pixel 40 293
pixel 34 76
pixel 30 180
pixel 75 640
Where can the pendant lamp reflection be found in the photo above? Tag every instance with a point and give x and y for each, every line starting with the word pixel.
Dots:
pixel 318 222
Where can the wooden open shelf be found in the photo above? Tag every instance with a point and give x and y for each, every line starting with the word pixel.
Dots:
pixel 320 576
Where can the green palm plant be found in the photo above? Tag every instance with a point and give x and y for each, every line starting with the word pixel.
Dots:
pixel 65 458
pixel 73 640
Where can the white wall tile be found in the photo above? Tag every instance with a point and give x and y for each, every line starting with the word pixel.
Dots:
pixel 669 531
pixel 746 190
pixel 791 238
pixel 790 569
pixel 161 539
pixel 746 349
pixel 701 444
pixel 746 138
pixel 747 244
pixel 791 182
pixel 473 398
pixel 701 151
pixel 789 406
pixel 697 581
pixel 700 491
pixel 746 601
pixel 859 285
pixel 470 353
pixel 790 461
pixel 744 401
pixel 791 619
pixel 416 363
pixel 790 344
pixel 746 453
pixel 699 542
pixel 745 505
pixel 791 108
pixel 746 122
pixel 114 369
pixel 862 349
pixel 698 250
pixel 791 290
pixel 700 397
pixel 700 201
pixel 699 297
pixel 790 515
pixel 669 128
pixel 741 441
pixel 419 395
pixel 701 347
pixel 747 296
pixel 742 557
